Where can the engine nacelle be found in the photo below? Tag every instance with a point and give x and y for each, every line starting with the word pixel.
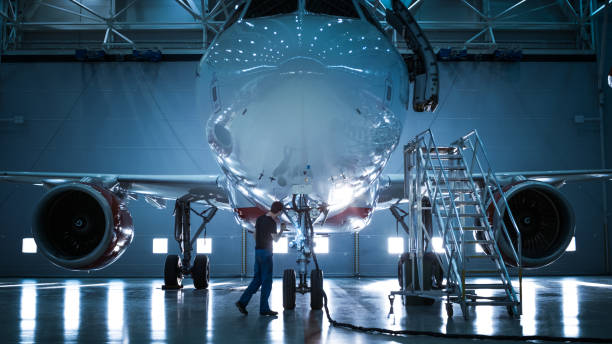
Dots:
pixel 544 218
pixel 82 226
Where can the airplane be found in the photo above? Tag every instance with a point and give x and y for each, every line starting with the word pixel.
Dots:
pixel 308 99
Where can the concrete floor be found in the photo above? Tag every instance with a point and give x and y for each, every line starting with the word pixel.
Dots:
pixel 139 311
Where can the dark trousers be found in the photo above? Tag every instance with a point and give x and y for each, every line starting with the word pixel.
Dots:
pixel 263 278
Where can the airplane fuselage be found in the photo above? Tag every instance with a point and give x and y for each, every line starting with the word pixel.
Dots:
pixel 304 103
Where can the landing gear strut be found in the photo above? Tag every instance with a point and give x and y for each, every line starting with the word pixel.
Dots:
pixel 175 268
pixel 303 242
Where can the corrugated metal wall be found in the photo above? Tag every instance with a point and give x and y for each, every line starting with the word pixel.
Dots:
pixel 143 118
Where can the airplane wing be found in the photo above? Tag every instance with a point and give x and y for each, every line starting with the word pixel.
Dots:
pixel 155 188
pixel 393 184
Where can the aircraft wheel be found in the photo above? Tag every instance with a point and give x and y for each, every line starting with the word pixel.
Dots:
pixel 289 289
pixel 173 276
pixel 200 272
pixel 316 289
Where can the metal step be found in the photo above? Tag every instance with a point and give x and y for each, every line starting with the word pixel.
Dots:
pixel 467 203
pixel 448 180
pixel 445 156
pixel 457 191
pixel 470 214
pixel 485 286
pixel 480 256
pixel 479 242
pixel 471 228
pixel 449 167
pixel 478 272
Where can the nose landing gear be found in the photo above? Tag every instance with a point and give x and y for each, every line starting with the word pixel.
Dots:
pixel 304 244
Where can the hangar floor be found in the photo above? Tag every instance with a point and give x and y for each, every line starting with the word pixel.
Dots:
pixel 138 310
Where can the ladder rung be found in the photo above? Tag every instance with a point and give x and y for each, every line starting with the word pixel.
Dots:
pixel 470 228
pixel 485 286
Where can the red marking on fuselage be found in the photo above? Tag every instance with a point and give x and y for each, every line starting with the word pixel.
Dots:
pixel 250 213
pixel 350 212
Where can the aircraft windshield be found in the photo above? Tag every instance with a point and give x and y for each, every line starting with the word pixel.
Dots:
pixel 265 8
pixel 339 8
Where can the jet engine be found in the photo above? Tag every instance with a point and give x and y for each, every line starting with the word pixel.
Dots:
pixel 81 226
pixel 544 218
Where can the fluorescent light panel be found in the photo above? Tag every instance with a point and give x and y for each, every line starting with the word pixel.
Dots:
pixel 28 245
pixel 160 245
pixel 280 246
pixel 395 245
pixel 321 245
pixel 204 245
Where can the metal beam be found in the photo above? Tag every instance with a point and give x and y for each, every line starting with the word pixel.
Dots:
pixel 88 9
pixel 186 7
pixel 509 9
pixel 474 9
pixel 600 10
pixel 65 10
pixel 124 9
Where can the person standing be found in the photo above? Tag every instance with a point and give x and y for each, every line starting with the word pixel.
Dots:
pixel 265 232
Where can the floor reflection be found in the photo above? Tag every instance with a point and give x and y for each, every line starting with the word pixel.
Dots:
pixel 571 324
pixel 114 312
pixel 72 310
pixel 158 313
pixel 138 310
pixel 27 324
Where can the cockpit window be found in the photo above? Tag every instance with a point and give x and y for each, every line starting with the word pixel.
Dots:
pixel 339 8
pixel 265 8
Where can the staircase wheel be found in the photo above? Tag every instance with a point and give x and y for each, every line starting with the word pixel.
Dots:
pixel 173 276
pixel 316 289
pixel 510 311
pixel 200 272
pixel 289 289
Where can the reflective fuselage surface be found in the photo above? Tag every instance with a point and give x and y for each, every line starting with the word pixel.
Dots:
pixel 305 103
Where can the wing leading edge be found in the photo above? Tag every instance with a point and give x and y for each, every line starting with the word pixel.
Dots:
pixel 156 189
pixel 393 184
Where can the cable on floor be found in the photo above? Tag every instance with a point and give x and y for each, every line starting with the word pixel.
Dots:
pixel 452 335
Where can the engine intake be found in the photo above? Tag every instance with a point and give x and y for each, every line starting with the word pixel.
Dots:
pixel 82 227
pixel 544 218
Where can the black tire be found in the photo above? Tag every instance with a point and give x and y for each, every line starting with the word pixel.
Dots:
pixel 200 272
pixel 405 257
pixel 316 289
pixel 289 289
pixel 433 276
pixel 173 276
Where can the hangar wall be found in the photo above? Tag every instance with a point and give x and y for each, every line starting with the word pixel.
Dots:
pixel 142 118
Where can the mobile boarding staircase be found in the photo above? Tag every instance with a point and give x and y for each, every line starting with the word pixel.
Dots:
pixel 457 189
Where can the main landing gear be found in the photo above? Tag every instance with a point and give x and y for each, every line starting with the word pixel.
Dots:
pixel 304 245
pixel 175 268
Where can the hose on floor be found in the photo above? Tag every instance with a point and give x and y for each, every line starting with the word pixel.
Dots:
pixel 451 335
